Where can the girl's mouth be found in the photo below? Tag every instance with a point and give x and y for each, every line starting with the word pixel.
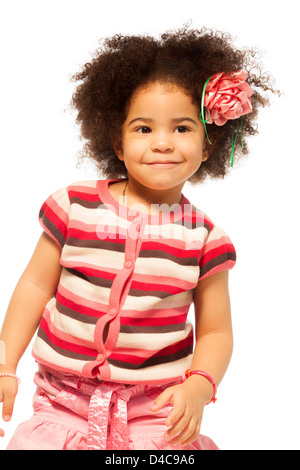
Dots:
pixel 163 164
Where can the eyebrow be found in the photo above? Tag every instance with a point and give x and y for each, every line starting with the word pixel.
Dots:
pixel 176 120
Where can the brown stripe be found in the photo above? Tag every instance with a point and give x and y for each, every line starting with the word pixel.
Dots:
pixel 152 329
pixel 96 281
pixel 97 243
pixel 76 315
pixel 229 256
pixel 153 361
pixel 85 203
pixel 184 261
pixel 64 352
pixel 52 229
pixel 154 293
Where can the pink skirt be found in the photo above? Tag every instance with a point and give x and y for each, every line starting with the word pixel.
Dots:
pixel 71 413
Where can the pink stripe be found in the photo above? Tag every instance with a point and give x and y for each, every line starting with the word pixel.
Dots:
pixel 57 210
pixel 81 300
pixel 216 243
pixel 65 337
pixel 89 266
pixel 94 272
pixel 221 267
pixel 155 313
pixel 137 354
pixel 55 365
pixel 162 281
pixel 81 191
pixel 215 248
pixel 78 308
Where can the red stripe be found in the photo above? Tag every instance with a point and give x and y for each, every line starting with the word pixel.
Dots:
pixel 65 344
pixel 215 252
pixel 86 196
pixel 176 251
pixel 164 352
pixel 150 287
pixel 127 358
pixel 82 309
pixel 94 233
pixel 153 321
pixel 54 218
pixel 83 234
pixel 93 272
pixel 176 347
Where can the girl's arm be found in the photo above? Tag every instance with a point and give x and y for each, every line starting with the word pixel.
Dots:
pixel 35 288
pixel 213 349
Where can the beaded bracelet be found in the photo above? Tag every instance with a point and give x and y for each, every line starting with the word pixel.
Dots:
pixel 190 372
pixel 7 374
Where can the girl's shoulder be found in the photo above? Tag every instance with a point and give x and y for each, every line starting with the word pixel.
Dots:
pixel 83 185
pixel 81 188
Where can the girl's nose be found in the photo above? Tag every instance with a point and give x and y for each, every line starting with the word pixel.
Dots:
pixel 162 142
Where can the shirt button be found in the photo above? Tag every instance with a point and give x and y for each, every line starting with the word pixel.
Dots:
pixel 112 311
pixel 100 357
pixel 128 264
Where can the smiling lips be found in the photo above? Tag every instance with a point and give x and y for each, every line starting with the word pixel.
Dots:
pixel 163 164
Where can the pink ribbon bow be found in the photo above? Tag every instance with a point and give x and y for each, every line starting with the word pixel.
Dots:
pixel 103 396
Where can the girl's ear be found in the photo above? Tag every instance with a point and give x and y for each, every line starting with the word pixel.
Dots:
pixel 208 148
pixel 118 151
pixel 117 146
pixel 120 155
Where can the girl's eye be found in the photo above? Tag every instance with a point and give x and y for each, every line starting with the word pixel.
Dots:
pixel 182 129
pixel 144 130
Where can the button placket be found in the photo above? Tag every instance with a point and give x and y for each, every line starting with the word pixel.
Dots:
pixel 131 247
pixel 121 284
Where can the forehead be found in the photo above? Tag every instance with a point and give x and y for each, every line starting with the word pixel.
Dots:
pixel 160 94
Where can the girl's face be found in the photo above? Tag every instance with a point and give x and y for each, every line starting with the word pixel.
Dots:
pixel 162 138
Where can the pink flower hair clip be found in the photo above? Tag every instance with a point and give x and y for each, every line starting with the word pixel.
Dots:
pixel 224 97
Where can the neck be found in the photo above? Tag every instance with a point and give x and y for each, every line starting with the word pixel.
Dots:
pixel 136 193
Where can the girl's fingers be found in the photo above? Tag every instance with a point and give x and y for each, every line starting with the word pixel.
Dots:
pixel 8 398
pixel 184 426
pixel 193 437
pixel 177 426
pixel 1 430
pixel 188 434
pixel 163 399
pixel 8 405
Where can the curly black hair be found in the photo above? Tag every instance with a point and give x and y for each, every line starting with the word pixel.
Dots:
pixel 185 57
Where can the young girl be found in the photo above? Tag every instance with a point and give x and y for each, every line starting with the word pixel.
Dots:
pixel 121 260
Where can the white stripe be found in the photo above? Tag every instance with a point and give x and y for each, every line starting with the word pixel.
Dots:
pixel 157 373
pixel 148 302
pixel 45 352
pixel 151 341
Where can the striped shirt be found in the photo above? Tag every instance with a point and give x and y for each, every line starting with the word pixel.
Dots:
pixel 126 285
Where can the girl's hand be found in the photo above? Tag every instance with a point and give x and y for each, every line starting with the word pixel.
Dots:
pixel 188 400
pixel 8 392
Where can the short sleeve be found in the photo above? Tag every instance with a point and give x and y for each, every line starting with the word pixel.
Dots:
pixel 218 253
pixel 54 216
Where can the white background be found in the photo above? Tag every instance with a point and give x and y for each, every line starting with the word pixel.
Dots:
pixel 42 44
